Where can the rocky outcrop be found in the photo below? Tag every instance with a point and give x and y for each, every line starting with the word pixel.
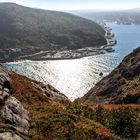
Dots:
pixel 122 85
pixel 15 90
pixel 14 120
pixel 50 92
pixel 30 91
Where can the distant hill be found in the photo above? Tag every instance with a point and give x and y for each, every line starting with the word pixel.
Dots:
pixel 33 30
pixel 121 17
pixel 122 85
pixel 136 9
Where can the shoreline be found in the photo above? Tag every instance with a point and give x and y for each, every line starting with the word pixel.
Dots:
pixel 57 58
pixel 79 53
pixel 72 54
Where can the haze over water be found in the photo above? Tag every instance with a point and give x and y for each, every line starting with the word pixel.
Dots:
pixel 75 77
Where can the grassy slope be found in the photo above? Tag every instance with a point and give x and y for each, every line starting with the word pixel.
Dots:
pixel 122 85
pixel 51 119
pixel 66 121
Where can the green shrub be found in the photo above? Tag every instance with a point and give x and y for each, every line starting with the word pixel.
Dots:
pixel 125 122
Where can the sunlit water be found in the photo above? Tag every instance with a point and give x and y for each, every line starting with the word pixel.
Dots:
pixel 75 77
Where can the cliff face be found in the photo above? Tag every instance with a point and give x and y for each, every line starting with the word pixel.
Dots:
pixel 122 85
pixel 14 120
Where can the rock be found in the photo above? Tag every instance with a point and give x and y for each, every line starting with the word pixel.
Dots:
pixel 101 74
pixel 13 113
pixel 9 136
pixel 14 120
pixel 4 95
pixel 50 92
pixel 6 90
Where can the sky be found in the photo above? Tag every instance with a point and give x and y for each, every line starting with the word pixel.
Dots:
pixel 78 4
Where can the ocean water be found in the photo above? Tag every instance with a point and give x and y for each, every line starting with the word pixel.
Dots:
pixel 75 77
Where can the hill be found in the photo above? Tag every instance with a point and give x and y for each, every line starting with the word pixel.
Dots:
pixel 120 17
pixel 26 30
pixel 136 9
pixel 122 85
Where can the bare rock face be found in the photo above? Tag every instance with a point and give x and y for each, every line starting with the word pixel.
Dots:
pixel 14 120
pixel 12 113
pixel 51 93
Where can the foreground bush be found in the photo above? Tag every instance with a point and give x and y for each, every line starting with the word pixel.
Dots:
pixel 123 121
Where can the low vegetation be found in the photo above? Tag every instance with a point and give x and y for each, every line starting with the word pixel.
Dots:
pixel 74 121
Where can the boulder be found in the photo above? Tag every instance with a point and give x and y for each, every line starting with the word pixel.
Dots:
pixel 9 136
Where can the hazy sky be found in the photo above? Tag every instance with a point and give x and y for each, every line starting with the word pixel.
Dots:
pixel 78 4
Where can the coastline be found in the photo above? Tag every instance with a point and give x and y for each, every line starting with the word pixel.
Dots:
pixel 72 54
pixel 78 53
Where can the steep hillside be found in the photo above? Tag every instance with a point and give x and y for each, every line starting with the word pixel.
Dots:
pixel 14 119
pixel 25 31
pixel 50 115
pixel 122 85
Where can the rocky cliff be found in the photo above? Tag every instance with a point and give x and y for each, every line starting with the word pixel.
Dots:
pixel 14 119
pixel 122 85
